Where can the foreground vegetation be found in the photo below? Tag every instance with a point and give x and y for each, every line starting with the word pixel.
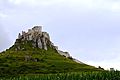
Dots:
pixel 102 75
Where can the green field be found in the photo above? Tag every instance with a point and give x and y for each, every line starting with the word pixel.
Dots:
pixel 102 75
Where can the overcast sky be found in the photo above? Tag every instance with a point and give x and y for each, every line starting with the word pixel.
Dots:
pixel 88 29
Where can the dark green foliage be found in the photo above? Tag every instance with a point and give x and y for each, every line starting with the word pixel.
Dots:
pixel 95 75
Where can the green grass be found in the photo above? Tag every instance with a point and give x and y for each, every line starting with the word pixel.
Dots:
pixel 30 60
pixel 102 75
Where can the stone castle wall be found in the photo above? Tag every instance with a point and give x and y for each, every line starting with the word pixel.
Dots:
pixel 40 39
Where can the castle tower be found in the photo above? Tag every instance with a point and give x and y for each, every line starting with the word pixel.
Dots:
pixel 19 36
pixel 37 28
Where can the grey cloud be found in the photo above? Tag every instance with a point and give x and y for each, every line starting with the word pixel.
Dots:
pixel 4 39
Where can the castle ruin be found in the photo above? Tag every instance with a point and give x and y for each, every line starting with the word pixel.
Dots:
pixel 40 39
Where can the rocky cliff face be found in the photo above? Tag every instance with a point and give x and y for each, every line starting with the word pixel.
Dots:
pixel 41 40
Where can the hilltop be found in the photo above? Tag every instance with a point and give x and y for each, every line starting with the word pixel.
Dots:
pixel 34 53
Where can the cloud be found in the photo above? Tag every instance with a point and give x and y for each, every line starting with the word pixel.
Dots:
pixel 4 39
pixel 35 2
pixel 110 5
pixel 3 15
pixel 116 7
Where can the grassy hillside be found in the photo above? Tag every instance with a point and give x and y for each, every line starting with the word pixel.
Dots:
pixel 23 58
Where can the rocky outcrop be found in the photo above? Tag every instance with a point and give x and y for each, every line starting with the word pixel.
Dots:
pixel 41 40
pixel 65 54
pixel 77 61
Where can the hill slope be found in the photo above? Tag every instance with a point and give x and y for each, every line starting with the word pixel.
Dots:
pixel 27 57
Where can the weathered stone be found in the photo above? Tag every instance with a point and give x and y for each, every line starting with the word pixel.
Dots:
pixel 36 59
pixel 39 43
pixel 28 58
pixel 29 37
pixel 18 47
pixel 40 39
pixel 66 54
pixel 37 29
pixel 19 36
pixel 44 43
pixel 46 35
pixel 77 61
